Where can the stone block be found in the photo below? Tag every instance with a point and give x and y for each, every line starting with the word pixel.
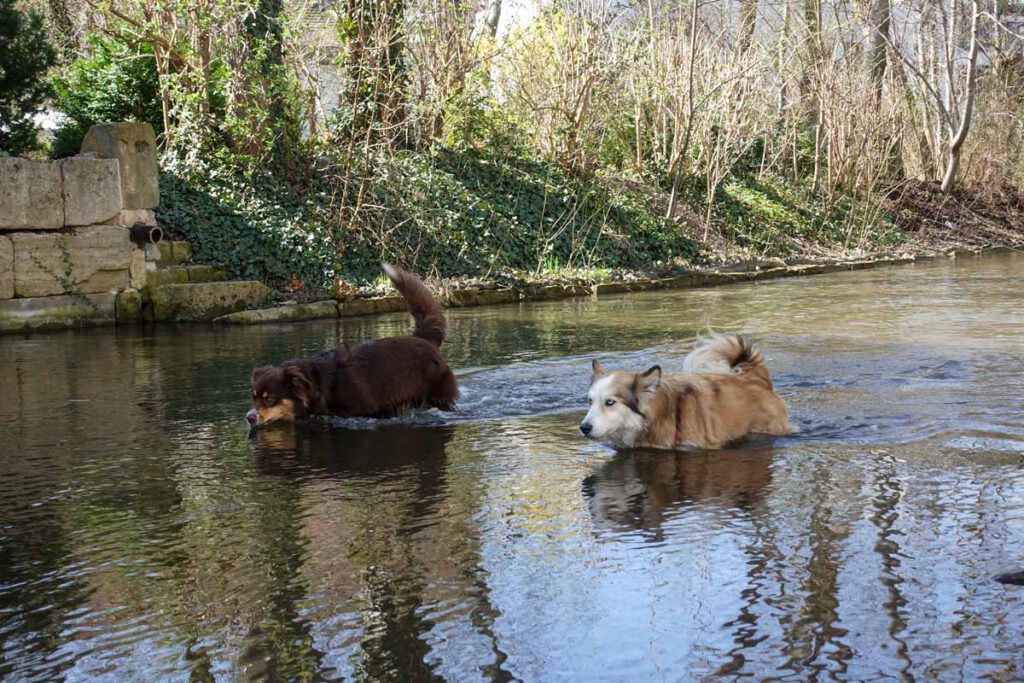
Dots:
pixel 92 191
pixel 93 259
pixel 482 297
pixel 137 271
pixel 171 275
pixel 6 268
pixel 169 252
pixel 552 292
pixel 206 273
pixel 681 281
pixel 380 304
pixel 133 145
pixel 57 312
pixel 181 252
pixel 317 310
pixel 132 217
pixel 205 300
pixel 606 288
pixel 30 195
pixel 128 307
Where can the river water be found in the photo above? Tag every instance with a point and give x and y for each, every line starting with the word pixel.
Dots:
pixel 145 536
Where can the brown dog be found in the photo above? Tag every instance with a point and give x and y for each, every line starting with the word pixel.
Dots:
pixel 724 395
pixel 376 379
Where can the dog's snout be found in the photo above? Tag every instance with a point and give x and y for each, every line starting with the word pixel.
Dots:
pixel 586 428
pixel 251 417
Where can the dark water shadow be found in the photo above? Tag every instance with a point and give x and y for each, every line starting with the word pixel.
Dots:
pixel 404 538
pixel 367 449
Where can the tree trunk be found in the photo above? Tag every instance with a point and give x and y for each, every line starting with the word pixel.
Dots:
pixel 879 18
pixel 748 19
pixel 678 155
pixel 956 143
pixel 492 17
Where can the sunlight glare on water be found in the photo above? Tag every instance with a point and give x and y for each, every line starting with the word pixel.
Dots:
pixel 144 535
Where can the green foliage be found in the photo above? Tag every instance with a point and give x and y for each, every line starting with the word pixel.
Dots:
pixel 457 214
pixel 25 55
pixel 775 217
pixel 114 83
pixel 474 119
pixel 256 226
pixel 518 214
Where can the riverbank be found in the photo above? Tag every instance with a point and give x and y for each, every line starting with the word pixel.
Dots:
pixel 932 225
pixel 493 293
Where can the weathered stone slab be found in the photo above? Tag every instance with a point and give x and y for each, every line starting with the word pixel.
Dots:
pixel 181 252
pixel 6 268
pixel 132 217
pixel 205 300
pixel 169 253
pixel 752 265
pixel 133 145
pixel 172 275
pixel 92 191
pixel 604 288
pixel 463 298
pixel 57 312
pixel 317 310
pixel 138 272
pixel 128 307
pixel 30 195
pixel 382 304
pixel 681 281
pixel 552 292
pixel 93 259
pixel 718 278
pixel 205 273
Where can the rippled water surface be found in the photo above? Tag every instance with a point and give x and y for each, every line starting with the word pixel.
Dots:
pixel 144 536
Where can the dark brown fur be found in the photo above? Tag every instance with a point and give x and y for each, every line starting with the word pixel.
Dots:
pixel 376 379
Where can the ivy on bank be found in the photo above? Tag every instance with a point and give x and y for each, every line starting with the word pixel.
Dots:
pixel 442 212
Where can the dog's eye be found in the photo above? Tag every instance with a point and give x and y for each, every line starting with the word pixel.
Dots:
pixel 269 400
pixel 610 402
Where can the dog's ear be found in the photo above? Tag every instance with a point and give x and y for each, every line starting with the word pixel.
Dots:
pixel 648 381
pixel 257 372
pixel 301 385
pixel 598 369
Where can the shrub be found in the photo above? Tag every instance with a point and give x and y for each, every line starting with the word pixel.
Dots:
pixel 25 55
pixel 115 83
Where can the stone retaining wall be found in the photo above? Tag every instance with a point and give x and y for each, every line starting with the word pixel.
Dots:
pixel 65 252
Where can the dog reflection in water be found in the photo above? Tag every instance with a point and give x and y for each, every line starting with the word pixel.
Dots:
pixel 328 449
pixel 638 488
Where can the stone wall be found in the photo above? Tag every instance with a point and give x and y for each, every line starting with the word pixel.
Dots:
pixel 65 252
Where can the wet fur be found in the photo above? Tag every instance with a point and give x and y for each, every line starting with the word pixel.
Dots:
pixel 380 378
pixel 724 395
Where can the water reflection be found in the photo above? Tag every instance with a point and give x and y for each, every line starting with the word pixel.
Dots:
pixel 144 536
pixel 640 489
pixel 389 543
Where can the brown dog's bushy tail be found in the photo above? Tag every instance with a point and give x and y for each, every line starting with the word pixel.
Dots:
pixel 727 353
pixel 428 314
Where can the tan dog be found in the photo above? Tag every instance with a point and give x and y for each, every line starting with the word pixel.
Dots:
pixel 724 395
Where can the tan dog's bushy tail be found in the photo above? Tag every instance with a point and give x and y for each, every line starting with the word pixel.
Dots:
pixel 727 353
pixel 428 314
